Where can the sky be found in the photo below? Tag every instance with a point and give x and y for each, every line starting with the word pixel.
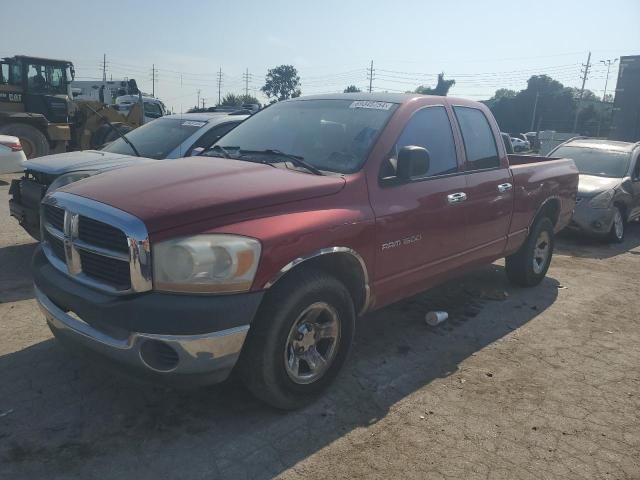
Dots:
pixel 483 45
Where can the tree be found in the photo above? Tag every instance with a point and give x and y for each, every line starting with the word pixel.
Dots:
pixel 282 82
pixel 442 87
pixel 554 106
pixel 352 89
pixel 231 99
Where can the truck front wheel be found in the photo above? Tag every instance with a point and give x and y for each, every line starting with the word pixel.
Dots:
pixel 299 340
pixel 34 142
pixel 528 266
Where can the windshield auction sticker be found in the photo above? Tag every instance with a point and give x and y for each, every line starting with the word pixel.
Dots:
pixel 193 124
pixel 370 104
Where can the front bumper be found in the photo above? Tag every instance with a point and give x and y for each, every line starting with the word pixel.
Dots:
pixel 25 204
pixel 594 221
pixel 168 337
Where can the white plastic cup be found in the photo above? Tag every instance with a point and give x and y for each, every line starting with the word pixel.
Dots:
pixel 435 318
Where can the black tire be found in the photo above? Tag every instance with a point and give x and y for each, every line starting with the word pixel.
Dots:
pixel 34 142
pixel 616 234
pixel 521 267
pixel 262 365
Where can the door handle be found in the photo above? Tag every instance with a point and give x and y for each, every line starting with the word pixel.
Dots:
pixel 504 187
pixel 456 197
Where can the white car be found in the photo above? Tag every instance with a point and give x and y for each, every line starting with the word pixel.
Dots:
pixel 12 157
pixel 520 145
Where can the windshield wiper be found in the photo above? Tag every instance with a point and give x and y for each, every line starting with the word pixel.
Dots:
pixel 122 136
pixel 295 159
pixel 222 150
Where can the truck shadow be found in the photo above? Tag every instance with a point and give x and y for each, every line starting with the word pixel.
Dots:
pixel 15 274
pixel 70 419
pixel 576 244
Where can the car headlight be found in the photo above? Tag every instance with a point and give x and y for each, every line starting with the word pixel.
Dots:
pixel 205 264
pixel 602 200
pixel 68 178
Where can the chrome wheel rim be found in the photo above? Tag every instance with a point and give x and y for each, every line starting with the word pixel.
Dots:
pixel 618 224
pixel 312 343
pixel 541 252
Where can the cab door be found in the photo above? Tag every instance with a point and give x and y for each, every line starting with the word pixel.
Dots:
pixel 489 185
pixel 418 225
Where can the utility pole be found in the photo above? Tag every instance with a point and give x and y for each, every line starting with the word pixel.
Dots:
pixel 154 78
pixel 584 80
pixel 104 67
pixel 198 101
pixel 535 107
pixel 203 99
pixel 246 77
pixel 370 77
pixel 608 62
pixel 220 86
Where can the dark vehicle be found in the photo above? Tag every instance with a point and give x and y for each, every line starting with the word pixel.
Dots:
pixel 313 210
pixel 609 188
pixel 169 137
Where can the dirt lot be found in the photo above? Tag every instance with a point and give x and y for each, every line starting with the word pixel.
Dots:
pixel 531 384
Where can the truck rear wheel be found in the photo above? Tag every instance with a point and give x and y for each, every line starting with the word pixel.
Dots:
pixel 34 142
pixel 299 340
pixel 528 266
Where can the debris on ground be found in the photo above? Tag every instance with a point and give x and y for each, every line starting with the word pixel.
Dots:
pixel 435 318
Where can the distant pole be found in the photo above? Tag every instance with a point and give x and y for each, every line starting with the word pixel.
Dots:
pixel 608 62
pixel 246 83
pixel 153 80
pixel 584 80
pixel 203 99
pixel 198 102
pixel 104 67
pixel 535 107
pixel 371 77
pixel 220 86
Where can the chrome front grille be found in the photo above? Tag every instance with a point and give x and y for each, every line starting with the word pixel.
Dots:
pixel 96 244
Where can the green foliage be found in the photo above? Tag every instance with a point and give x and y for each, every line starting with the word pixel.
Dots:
pixel 231 99
pixel 441 89
pixel 352 89
pixel 282 82
pixel 555 110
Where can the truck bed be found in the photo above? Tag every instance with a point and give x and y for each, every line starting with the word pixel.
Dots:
pixel 537 179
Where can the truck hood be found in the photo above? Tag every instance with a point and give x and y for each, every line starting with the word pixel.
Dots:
pixel 93 160
pixel 591 185
pixel 170 194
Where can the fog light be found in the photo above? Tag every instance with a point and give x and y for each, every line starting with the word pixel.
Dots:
pixel 158 355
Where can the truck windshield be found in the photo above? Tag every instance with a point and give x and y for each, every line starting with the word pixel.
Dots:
pixel 156 139
pixel 597 161
pixel 46 79
pixel 331 135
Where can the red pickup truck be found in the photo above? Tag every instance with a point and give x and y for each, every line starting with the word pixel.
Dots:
pixel 259 255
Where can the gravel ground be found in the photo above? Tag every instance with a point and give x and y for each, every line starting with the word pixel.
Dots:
pixel 519 384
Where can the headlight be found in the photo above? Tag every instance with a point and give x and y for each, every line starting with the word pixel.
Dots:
pixel 602 200
pixel 205 264
pixel 68 178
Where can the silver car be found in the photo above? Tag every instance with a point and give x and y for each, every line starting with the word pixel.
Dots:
pixel 609 187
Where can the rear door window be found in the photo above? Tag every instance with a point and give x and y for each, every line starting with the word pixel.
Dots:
pixel 479 142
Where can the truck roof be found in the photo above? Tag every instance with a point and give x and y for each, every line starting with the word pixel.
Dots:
pixel 382 97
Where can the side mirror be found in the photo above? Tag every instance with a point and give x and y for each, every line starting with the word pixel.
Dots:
pixel 413 162
pixel 196 151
